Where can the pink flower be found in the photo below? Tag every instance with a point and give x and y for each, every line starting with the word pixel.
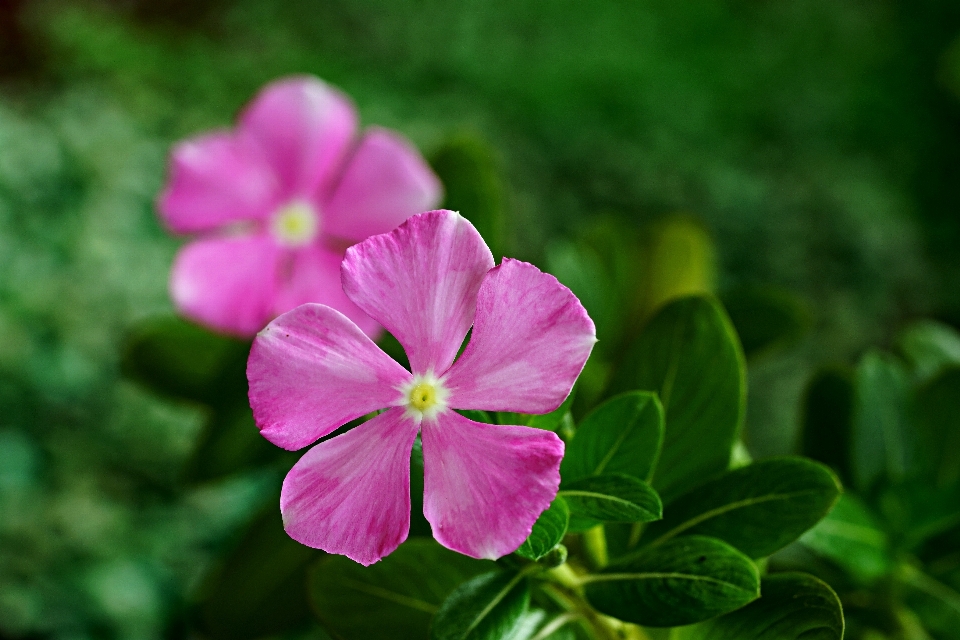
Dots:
pixel 278 199
pixel 312 370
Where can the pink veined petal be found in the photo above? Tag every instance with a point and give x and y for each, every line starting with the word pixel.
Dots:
pixel 313 275
pixel 485 485
pixel 304 128
pixel 312 370
pixel 385 182
pixel 530 340
pixel 214 180
pixel 351 494
pixel 227 283
pixel 420 281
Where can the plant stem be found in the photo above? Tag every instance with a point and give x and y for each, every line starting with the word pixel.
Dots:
pixel 595 547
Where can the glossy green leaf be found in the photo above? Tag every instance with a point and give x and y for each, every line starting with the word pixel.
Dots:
pixel 394 598
pixel 467 166
pixel 758 508
pixel 623 435
pixel 937 421
pixel 827 416
pixel 488 607
pixel 929 347
pixel 766 318
pixel 182 360
pixel 792 606
pixel 851 537
pixel 682 581
pixel 258 590
pixel 548 531
pixel 881 443
pixel 690 355
pixel 613 497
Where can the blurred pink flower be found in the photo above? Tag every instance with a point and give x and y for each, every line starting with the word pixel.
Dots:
pixel 277 200
pixel 311 370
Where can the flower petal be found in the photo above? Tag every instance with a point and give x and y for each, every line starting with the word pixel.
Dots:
pixel 485 485
pixel 351 494
pixel 385 182
pixel 420 281
pixel 530 340
pixel 314 276
pixel 304 127
pixel 227 283
pixel 312 370
pixel 214 180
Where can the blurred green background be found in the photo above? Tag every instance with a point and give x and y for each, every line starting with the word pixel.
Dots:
pixel 810 146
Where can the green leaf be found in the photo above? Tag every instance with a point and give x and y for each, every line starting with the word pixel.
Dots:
pixel 689 354
pixel 851 537
pixel 258 590
pixel 182 360
pixel 613 497
pixel 792 606
pixel 419 526
pixel 467 166
pixel 394 598
pixel 881 439
pixel 937 413
pixel 489 607
pixel 916 511
pixel 680 261
pixel 230 442
pixel 827 416
pixel 766 318
pixel 623 435
pixel 937 605
pixel 758 508
pixel 554 420
pixel 929 347
pixel 548 531
pixel 682 581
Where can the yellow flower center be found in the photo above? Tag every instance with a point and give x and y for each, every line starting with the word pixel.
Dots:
pixel 424 397
pixel 295 224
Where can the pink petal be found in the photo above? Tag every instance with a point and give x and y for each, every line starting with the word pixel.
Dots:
pixel 386 181
pixel 351 494
pixel 530 341
pixel 304 127
pixel 485 485
pixel 420 281
pixel 227 283
pixel 314 276
pixel 214 180
pixel 312 370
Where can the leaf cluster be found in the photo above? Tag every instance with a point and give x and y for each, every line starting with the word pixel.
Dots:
pixel 890 427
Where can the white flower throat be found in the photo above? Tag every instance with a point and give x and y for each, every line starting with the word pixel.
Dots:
pixel 424 396
pixel 295 224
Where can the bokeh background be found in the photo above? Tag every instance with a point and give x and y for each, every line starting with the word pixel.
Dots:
pixel 809 147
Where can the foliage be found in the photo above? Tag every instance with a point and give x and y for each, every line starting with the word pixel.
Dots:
pixel 890 548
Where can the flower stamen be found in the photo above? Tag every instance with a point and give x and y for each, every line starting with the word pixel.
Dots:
pixel 295 224
pixel 424 396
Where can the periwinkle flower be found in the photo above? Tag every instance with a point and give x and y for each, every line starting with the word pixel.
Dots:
pixel 427 282
pixel 278 199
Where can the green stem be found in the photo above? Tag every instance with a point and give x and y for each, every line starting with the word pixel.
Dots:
pixel 595 547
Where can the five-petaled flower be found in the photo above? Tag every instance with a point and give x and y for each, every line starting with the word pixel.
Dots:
pixel 311 370
pixel 279 198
